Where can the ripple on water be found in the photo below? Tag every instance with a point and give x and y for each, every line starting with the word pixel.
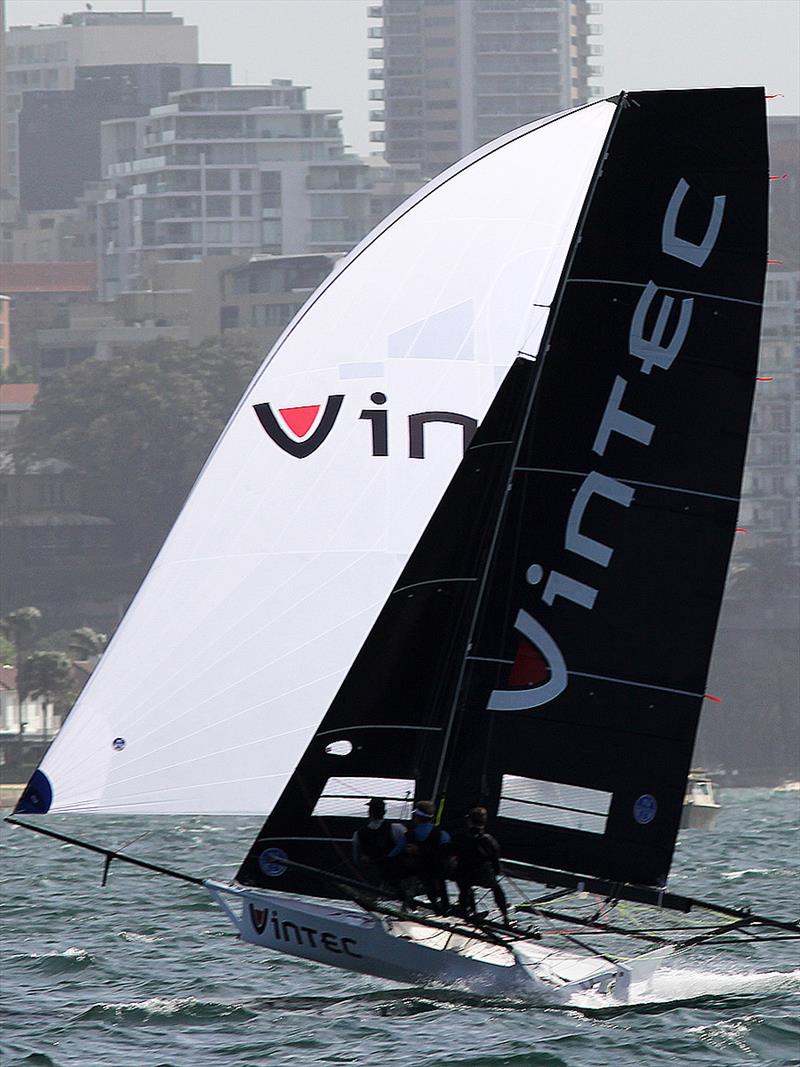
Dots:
pixel 53 963
pixel 157 979
pixel 177 1011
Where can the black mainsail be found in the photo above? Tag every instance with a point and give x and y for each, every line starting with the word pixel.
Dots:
pixel 545 650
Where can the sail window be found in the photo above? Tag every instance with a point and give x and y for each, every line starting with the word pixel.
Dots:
pixel 349 797
pixel 554 804
pixel 339 748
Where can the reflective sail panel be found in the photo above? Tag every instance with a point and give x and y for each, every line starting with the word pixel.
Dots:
pixel 320 487
pixel 560 681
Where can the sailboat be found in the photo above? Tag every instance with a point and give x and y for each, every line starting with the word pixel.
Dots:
pixel 465 539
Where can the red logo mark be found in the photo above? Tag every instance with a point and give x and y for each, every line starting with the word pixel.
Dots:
pixel 300 420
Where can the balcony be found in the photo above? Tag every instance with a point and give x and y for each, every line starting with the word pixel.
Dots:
pixel 374 53
pixel 375 32
pixel 594 29
pixel 136 166
pixel 375 11
pixel 377 94
pixel 377 135
pixel 377 116
pixel 375 74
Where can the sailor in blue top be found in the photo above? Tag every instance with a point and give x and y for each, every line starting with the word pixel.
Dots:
pixel 427 855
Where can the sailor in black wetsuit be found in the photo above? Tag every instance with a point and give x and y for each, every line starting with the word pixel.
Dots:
pixel 478 863
pixel 377 845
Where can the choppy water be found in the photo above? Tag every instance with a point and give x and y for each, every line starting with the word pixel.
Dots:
pixel 148 971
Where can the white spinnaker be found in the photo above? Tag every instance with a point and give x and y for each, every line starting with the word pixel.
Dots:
pixel 277 567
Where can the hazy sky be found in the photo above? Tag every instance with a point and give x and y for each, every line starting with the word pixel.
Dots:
pixel 649 44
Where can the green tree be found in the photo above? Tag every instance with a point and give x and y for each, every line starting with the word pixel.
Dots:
pixel 8 653
pixel 139 426
pixel 85 642
pixel 47 676
pixel 20 627
pixel 14 372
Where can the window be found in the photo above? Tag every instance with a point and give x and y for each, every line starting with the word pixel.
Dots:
pixel 218 179
pixel 271 231
pixel 273 314
pixel 245 179
pixel 349 796
pixel 554 804
pixel 229 316
pixel 218 206
pixel 245 205
pixel 219 231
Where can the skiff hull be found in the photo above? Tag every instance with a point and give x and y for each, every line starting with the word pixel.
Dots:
pixel 413 952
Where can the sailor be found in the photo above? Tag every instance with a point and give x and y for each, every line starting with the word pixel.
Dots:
pixel 427 855
pixel 478 863
pixel 378 844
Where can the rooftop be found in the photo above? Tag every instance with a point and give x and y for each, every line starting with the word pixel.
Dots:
pixel 18 395
pixel 48 277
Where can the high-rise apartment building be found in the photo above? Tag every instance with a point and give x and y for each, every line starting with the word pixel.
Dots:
pixel 59 130
pixel 770 509
pixel 237 171
pixel 46 57
pixel 457 73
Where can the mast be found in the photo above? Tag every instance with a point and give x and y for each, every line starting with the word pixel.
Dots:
pixel 440 783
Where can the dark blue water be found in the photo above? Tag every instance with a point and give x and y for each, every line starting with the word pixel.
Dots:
pixel 148 971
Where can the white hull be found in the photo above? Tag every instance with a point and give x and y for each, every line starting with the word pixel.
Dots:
pixel 696 816
pixel 408 951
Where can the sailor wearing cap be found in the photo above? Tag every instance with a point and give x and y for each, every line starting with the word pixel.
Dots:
pixel 427 855
pixel 378 844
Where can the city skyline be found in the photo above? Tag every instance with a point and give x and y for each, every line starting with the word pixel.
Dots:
pixel 706 43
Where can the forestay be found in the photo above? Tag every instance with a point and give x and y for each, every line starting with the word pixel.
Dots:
pixel 320 487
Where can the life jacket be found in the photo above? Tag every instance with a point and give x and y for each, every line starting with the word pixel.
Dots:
pixel 431 852
pixel 378 843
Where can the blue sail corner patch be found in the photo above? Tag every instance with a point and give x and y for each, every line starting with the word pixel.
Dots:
pixel 645 808
pixel 270 862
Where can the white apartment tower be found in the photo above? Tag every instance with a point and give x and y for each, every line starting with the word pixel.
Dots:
pixel 457 73
pixel 238 170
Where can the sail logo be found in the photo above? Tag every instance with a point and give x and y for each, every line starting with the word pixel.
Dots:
pixel 270 923
pixel 300 431
pixel 299 442
pixel 657 348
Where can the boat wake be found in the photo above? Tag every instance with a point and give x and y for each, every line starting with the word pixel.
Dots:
pixel 671 987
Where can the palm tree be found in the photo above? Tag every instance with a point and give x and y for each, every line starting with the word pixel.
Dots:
pixel 46 676
pixel 20 627
pixel 86 642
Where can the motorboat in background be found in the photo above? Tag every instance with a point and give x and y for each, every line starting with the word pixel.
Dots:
pixel 700 805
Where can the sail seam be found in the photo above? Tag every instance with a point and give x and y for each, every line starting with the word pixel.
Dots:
pixel 378 726
pixel 489 444
pixel 641 685
pixel 632 481
pixel 430 581
pixel 666 288
pixel 555 807
pixel 339 840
